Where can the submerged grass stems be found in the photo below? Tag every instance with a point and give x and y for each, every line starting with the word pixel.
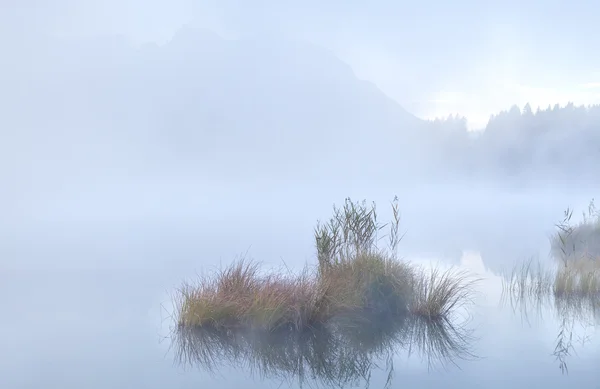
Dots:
pixel 579 278
pixel 528 279
pixel 353 275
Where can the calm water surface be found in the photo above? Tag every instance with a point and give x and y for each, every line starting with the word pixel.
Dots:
pixel 89 307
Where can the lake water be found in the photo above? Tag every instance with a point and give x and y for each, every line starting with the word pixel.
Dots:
pixel 86 302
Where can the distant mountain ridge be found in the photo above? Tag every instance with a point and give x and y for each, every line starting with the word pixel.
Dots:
pixel 255 109
pixel 276 105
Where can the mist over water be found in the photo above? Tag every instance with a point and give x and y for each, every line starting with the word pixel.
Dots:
pixel 94 289
pixel 138 152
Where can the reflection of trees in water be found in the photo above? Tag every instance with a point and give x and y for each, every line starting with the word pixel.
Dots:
pixel 574 313
pixel 341 354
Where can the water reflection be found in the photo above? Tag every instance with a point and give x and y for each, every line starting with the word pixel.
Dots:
pixel 576 316
pixel 343 353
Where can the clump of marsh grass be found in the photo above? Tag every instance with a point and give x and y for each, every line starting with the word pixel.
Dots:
pixel 353 270
pixel 572 286
pixel 580 277
pixel 437 294
pixel 352 231
pixel 368 282
pixel 353 275
pixel 578 247
pixel 353 264
pixel 577 273
pixel 575 240
pixel 239 296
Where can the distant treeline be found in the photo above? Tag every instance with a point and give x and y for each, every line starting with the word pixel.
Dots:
pixel 557 143
pixel 282 110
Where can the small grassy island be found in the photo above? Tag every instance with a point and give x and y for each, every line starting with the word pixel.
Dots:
pixel 353 277
pixel 576 274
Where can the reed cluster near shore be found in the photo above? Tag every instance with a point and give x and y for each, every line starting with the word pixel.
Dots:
pixel 571 286
pixel 574 240
pixel 576 272
pixel 578 278
pixel 353 275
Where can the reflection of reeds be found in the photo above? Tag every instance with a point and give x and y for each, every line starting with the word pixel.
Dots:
pixel 571 311
pixel 579 278
pixel 440 342
pixel 341 354
pixel 572 287
pixel 571 306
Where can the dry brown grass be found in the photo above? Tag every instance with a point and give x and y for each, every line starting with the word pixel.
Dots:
pixel 368 282
pixel 353 275
pixel 577 269
pixel 373 284
pixel 239 296
pixel 573 240
pixel 579 277
pixel 436 294
pixel 576 278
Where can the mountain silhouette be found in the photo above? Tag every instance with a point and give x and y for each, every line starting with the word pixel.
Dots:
pixel 227 107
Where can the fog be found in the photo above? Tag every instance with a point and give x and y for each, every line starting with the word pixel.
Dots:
pixel 240 124
pixel 142 142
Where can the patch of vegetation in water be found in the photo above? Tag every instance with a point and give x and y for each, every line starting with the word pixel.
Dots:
pixel 571 286
pixel 573 241
pixel 353 275
pixel 576 272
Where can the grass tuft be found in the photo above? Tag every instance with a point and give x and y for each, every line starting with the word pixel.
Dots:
pixel 580 277
pixel 437 294
pixel 577 271
pixel 575 240
pixel 353 276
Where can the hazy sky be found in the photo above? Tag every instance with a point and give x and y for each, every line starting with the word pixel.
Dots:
pixel 434 57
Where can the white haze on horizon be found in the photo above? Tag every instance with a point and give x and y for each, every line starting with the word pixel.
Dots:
pixel 435 59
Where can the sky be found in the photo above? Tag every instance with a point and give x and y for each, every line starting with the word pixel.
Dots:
pixel 436 58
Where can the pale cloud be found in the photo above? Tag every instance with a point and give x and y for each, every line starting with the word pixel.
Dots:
pixel 591 85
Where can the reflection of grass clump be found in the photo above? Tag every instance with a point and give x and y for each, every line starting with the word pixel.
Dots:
pixel 353 275
pixel 342 353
